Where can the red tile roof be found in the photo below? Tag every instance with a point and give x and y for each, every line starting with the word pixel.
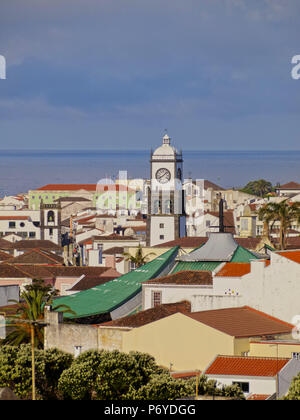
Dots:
pixel 242 322
pixel 185 374
pixel 291 255
pixel 258 397
pixel 150 315
pixel 14 217
pixel 185 278
pixel 114 250
pixel 37 256
pixel 234 270
pixel 68 187
pixel 4 256
pixel 246 366
pixel 228 220
pixel 289 186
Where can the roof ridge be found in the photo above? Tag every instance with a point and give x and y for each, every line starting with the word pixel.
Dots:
pixel 273 318
pixel 252 357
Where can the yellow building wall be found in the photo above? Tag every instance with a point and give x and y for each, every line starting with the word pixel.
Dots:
pixel 179 341
pixel 270 350
pixel 155 252
pixel 241 346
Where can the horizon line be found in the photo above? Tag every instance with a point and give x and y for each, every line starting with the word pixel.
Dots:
pixel 147 150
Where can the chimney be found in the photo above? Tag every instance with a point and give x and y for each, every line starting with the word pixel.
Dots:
pixel 110 261
pixel 52 317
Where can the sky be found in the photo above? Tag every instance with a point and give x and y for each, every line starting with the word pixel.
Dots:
pixel 114 74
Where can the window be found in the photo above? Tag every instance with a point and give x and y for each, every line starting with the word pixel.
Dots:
pixel 100 255
pixel 51 232
pixel 296 356
pixel 156 299
pixel 161 225
pixel 244 224
pixel 132 266
pixel 244 386
pixel 22 224
pixel 32 234
pixel 51 216
pixel 12 225
pixel 161 237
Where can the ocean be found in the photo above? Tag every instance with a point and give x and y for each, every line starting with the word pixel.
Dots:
pixel 22 170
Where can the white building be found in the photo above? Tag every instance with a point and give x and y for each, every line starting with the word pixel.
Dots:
pixel 269 286
pixel 268 377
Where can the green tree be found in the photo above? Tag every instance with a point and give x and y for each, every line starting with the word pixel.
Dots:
pixel 285 213
pixel 16 370
pixel 294 390
pixel 31 308
pixel 163 387
pixel 139 258
pixel 260 188
pixel 101 375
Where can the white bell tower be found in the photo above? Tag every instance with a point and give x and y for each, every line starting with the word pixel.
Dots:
pixel 166 216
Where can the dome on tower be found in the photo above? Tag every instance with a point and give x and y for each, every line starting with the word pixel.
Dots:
pixel 166 150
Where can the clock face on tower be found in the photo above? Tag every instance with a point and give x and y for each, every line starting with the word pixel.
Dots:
pixel 163 175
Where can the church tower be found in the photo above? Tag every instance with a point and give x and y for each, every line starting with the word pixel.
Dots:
pixel 166 215
pixel 51 222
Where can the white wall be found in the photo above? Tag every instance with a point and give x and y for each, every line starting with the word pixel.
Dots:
pixel 257 385
pixel 274 289
pixel 172 293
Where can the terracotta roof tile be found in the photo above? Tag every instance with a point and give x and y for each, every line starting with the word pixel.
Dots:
pixel 291 255
pixel 246 366
pixel 4 256
pixel 242 322
pixel 258 397
pixel 68 187
pixel 36 256
pixel 150 315
pixel 14 217
pixel 234 270
pixel 89 281
pixel 185 278
pixel 35 243
pixel 114 250
pixel 185 374
pixel 289 186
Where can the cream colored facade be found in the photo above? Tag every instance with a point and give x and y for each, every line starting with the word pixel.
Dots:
pixel 182 343
pixel 285 349
pixel 177 341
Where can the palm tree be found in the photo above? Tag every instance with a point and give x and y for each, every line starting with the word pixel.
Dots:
pixel 261 187
pixel 30 309
pixel 139 259
pixel 283 212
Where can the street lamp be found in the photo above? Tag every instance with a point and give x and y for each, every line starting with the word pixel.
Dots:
pixel 277 375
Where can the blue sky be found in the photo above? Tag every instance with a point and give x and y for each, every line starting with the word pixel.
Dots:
pixel 113 74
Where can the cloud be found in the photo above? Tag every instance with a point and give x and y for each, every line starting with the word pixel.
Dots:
pixel 157 62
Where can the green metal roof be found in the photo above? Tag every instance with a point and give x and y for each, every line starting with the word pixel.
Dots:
pixel 109 296
pixel 241 255
pixel 196 266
